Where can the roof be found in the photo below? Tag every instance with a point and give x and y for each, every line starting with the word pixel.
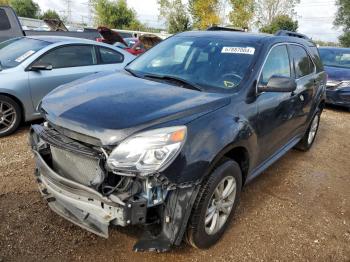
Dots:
pixel 56 39
pixel 246 36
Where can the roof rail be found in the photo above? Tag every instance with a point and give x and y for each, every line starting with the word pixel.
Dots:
pixel 225 28
pixel 291 34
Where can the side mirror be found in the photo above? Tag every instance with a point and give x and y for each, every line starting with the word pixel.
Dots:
pixel 41 66
pixel 279 84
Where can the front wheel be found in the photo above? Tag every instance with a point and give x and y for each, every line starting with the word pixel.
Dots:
pixel 215 205
pixel 10 115
pixel 310 135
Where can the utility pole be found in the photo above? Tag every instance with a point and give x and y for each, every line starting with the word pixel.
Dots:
pixel 69 11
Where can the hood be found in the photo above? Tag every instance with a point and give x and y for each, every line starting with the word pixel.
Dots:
pixel 112 106
pixel 338 73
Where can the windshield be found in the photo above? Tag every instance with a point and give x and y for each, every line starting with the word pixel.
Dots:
pixel 15 51
pixel 207 62
pixel 335 57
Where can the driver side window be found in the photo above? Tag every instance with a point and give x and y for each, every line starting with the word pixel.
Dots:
pixel 277 64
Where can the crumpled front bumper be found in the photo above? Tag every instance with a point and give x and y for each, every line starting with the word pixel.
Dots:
pixel 79 204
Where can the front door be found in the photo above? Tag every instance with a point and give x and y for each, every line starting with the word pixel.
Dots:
pixel 68 62
pixel 276 109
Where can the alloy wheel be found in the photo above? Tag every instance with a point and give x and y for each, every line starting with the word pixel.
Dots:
pixel 313 129
pixel 220 205
pixel 8 116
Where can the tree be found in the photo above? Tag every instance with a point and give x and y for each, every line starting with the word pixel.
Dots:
pixel 50 14
pixel 267 10
pixel 176 16
pixel 345 39
pixel 25 8
pixel 205 13
pixel 281 22
pixel 4 2
pixel 343 19
pixel 242 13
pixel 115 14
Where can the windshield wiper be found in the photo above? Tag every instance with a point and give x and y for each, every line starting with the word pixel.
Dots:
pixel 184 83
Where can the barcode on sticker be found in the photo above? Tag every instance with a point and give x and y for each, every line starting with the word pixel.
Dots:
pixel 238 50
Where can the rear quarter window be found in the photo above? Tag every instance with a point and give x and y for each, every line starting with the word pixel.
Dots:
pixel 4 20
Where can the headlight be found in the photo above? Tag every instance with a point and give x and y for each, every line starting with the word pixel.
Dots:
pixel 331 84
pixel 148 152
pixel 344 84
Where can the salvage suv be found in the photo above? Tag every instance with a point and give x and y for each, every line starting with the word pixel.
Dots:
pixel 169 142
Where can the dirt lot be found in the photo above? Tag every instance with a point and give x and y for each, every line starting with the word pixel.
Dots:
pixel 299 210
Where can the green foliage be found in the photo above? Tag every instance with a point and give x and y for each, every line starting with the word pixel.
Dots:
pixel 281 22
pixel 175 14
pixel 205 13
pixel 25 8
pixel 345 39
pixel 242 13
pixel 343 19
pixel 343 15
pixel 50 14
pixel 115 14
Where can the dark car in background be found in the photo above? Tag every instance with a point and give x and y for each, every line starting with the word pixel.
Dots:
pixel 169 143
pixel 337 66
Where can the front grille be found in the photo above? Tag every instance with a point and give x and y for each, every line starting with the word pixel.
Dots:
pixel 79 168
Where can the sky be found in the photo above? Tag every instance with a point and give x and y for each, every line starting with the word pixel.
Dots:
pixel 315 16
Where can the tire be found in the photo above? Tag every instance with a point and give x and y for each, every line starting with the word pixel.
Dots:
pixel 198 234
pixel 306 142
pixel 10 115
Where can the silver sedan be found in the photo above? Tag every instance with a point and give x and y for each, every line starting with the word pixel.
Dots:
pixel 31 67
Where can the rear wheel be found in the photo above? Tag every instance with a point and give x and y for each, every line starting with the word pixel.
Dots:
pixel 215 205
pixel 10 115
pixel 310 135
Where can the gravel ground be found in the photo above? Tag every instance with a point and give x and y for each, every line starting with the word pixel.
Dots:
pixel 298 210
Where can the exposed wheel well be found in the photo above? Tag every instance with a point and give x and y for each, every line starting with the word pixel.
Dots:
pixel 18 102
pixel 241 156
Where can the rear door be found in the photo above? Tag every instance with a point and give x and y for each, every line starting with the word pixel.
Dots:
pixel 306 78
pixel 276 110
pixel 109 59
pixel 69 62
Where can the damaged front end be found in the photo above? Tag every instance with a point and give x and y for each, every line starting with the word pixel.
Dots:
pixel 94 186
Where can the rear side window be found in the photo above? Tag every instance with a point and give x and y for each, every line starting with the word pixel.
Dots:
pixel 277 64
pixel 70 56
pixel 109 56
pixel 4 20
pixel 303 64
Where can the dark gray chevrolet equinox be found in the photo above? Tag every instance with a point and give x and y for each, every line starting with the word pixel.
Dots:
pixel 169 142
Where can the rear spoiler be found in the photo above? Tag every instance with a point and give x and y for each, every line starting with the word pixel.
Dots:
pixel 226 28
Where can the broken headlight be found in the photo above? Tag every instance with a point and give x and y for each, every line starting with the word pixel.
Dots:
pixel 149 151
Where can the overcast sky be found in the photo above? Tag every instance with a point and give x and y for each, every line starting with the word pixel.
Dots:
pixel 315 16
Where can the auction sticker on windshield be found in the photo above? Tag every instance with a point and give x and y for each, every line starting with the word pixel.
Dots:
pixel 24 56
pixel 238 50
